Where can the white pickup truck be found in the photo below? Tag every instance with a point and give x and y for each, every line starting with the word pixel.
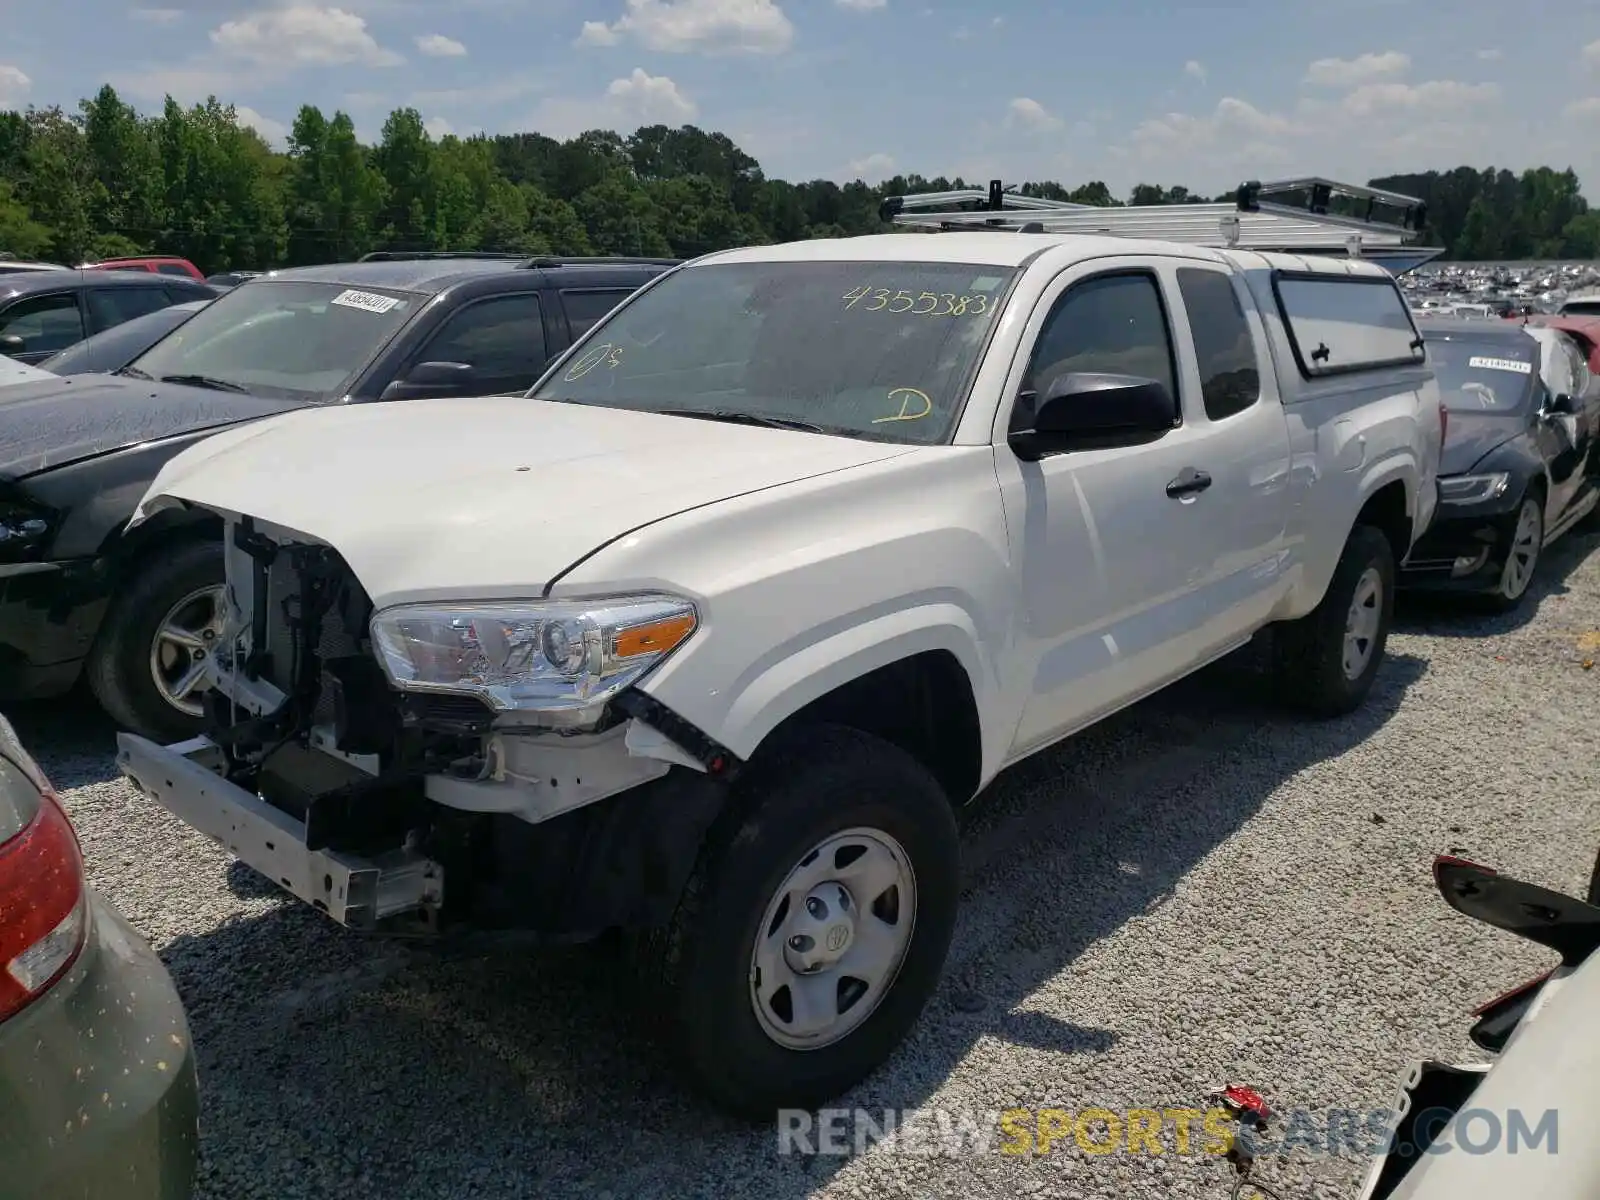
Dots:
pixel 708 636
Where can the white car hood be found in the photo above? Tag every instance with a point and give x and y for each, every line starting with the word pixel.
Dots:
pixel 491 497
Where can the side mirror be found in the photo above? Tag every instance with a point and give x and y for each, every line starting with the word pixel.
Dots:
pixel 11 343
pixel 1081 411
pixel 432 379
pixel 1562 405
pixel 441 374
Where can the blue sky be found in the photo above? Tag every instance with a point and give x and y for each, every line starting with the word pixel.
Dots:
pixel 1197 93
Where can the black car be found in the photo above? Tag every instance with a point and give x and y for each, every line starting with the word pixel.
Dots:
pixel 1519 466
pixel 135 615
pixel 43 312
pixel 114 348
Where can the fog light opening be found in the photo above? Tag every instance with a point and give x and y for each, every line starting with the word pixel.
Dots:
pixel 1467 564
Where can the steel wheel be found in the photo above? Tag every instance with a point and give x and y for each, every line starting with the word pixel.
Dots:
pixel 182 647
pixel 1362 622
pixel 1522 556
pixel 833 939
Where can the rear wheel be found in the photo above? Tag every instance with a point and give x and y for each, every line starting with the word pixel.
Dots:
pixel 1325 662
pixel 815 926
pixel 154 644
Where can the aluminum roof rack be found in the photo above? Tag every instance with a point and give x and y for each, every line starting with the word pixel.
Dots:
pixel 1308 215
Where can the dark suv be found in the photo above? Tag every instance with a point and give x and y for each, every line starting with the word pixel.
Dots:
pixel 42 312
pixel 135 614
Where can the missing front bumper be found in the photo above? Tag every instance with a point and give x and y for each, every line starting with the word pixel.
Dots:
pixel 362 893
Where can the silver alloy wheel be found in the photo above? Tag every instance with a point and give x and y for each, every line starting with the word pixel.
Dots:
pixel 183 644
pixel 1361 624
pixel 833 939
pixel 1523 554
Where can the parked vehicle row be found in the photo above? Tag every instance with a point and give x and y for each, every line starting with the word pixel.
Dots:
pixel 694 600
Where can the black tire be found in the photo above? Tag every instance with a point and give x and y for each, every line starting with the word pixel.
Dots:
pixel 1506 596
pixel 1308 658
pixel 825 781
pixel 119 669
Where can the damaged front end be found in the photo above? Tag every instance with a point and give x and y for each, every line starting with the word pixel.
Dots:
pixel 485 765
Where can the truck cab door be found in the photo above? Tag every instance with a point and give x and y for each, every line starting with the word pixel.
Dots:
pixel 1241 437
pixel 1110 545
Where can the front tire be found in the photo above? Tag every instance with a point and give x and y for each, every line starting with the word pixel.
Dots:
pixel 1523 547
pixel 814 927
pixel 161 625
pixel 1325 662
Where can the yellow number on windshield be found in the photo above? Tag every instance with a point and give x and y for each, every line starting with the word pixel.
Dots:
pixel 899 296
pixel 932 302
pixel 853 296
pixel 882 298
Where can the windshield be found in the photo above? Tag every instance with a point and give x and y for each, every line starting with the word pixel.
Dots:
pixel 291 339
pixel 881 350
pixel 1486 376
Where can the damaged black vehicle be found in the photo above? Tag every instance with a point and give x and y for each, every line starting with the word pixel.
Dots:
pixel 1519 464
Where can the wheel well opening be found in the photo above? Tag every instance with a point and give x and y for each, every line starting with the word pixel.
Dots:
pixel 163 529
pixel 922 704
pixel 1389 511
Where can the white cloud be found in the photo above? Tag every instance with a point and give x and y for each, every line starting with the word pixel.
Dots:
pixel 1375 129
pixel 1442 96
pixel 1195 70
pixel 275 133
pixel 1352 72
pixel 302 35
pixel 631 102
pixel 14 85
pixel 874 168
pixel 706 26
pixel 1583 110
pixel 1030 114
pixel 436 45
pixel 861 5
pixel 157 16
pixel 438 127
pixel 1490 55
pixel 1591 53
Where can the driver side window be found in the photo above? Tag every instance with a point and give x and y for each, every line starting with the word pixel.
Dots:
pixel 1112 324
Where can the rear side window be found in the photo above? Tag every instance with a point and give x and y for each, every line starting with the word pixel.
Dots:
pixel 1229 379
pixel 1343 323
pixel 173 269
pixel 44 323
pixel 584 309
pixel 112 306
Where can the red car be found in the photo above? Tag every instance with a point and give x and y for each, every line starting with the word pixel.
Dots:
pixel 161 264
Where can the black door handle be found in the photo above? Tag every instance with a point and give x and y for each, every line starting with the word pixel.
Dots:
pixel 1189 482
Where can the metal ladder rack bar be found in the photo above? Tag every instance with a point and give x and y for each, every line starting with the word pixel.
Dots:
pixel 1289 214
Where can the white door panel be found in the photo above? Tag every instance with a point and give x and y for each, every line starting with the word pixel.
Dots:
pixel 1111 568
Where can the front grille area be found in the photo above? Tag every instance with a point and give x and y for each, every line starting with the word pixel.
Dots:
pixel 343 625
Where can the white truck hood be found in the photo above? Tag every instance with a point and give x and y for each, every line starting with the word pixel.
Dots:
pixel 490 498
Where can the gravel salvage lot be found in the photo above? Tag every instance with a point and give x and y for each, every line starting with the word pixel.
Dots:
pixel 1199 890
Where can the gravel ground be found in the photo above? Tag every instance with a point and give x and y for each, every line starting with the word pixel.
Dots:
pixel 1199 890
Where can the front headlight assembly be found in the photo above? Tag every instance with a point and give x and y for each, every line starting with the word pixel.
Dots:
pixel 1473 489
pixel 555 657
